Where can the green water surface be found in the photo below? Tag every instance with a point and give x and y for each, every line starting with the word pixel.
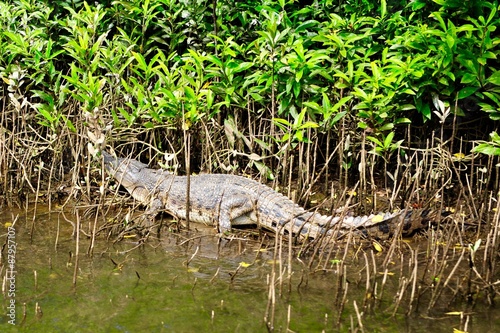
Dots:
pixel 152 289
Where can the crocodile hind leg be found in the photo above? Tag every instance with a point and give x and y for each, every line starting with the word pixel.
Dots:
pixel 235 211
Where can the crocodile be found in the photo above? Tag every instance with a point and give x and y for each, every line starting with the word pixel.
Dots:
pixel 225 201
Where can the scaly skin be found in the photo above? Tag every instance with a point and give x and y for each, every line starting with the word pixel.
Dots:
pixel 230 200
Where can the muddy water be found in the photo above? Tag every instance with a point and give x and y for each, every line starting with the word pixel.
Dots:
pixel 153 288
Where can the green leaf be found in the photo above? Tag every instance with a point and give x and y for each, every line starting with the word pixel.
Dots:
pixel 494 97
pixel 296 89
pixel 383 8
pixel 126 115
pixel 409 91
pixel 299 135
pixel 340 103
pixel 315 106
pixel 189 92
pixel 282 121
pixel 466 92
pixel 388 139
pixel 300 118
pixel 264 170
pixel 494 116
pixel 495 137
pixel 213 59
pixel 306 25
pixel 398 121
pixel 417 4
pixel 406 107
pixel 308 124
pixel 437 16
pixel 469 78
pixel 375 73
pixel 375 140
pixel 492 14
pixel 68 123
pixel 140 61
pixel 494 78
pixel 425 110
pixel 489 55
pixel 298 75
pixel 42 109
pixel 338 116
pixel 487 149
pixel 43 95
pixel 242 67
pixel 386 127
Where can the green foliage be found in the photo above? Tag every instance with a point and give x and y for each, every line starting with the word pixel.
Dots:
pixel 385 146
pixel 489 148
pixel 153 63
pixel 295 131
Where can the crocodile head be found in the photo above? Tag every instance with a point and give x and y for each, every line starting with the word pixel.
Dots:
pixel 127 171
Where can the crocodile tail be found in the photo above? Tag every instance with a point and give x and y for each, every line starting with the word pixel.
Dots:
pixel 405 222
pixel 422 219
pixel 381 225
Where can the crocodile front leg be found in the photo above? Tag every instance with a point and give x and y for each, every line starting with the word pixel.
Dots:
pixel 147 220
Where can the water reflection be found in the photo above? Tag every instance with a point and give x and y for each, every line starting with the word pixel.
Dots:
pixel 200 285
